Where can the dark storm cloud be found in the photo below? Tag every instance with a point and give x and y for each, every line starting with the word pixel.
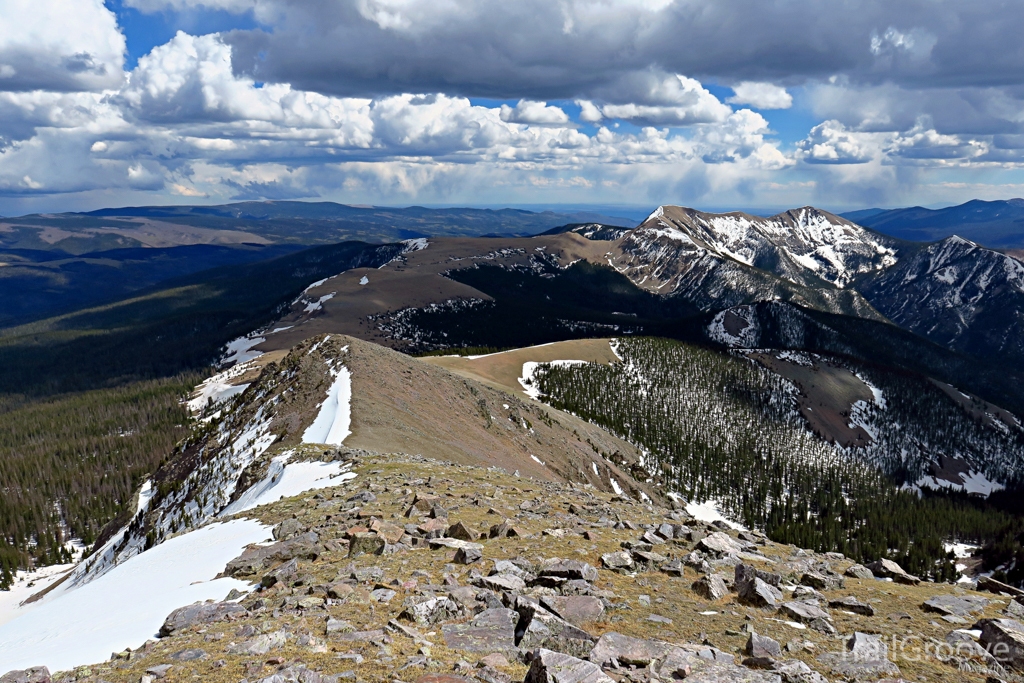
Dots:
pixel 546 50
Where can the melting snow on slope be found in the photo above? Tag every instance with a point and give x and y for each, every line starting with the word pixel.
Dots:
pixel 708 512
pixel 319 303
pixel 418 244
pixel 240 350
pixel 284 481
pixel 26 584
pixel 218 388
pixel 333 422
pixel 528 381
pixel 973 482
pixel 364 280
pixel 126 606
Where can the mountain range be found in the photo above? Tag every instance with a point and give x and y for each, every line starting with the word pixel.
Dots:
pixel 997 224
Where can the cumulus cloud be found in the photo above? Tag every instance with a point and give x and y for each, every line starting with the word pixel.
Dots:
pixel 761 95
pixel 59 45
pixel 831 143
pixel 183 122
pixel 536 113
pixel 925 143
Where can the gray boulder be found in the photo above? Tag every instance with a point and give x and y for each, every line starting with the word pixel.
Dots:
pixel 720 543
pixel 955 605
pixel 288 529
pixel 852 604
pixel 366 543
pixel 502 582
pixel 711 587
pixel 620 561
pixel 468 555
pixel 762 647
pixel 859 571
pixel 866 657
pixel 615 649
pixel 758 593
pixel 1004 639
pixel 200 613
pixel 37 674
pixel 806 613
pixel 286 574
pixel 888 569
pixel 556 667
pixel 431 611
pixel 539 628
pixel 493 630
pixel 257 558
pixel 576 609
pixel 260 645
pixel 568 569
pixel 822 581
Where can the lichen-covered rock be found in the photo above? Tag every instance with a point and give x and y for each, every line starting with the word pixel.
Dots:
pixel 493 630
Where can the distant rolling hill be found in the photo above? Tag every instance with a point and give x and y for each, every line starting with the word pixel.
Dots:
pixel 56 263
pixel 995 224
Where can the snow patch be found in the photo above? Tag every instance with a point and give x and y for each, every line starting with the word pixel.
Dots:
pixel 240 350
pixel 319 303
pixel 284 481
pixel 218 388
pixel 528 380
pixel 615 486
pixel 333 423
pixel 126 607
pixel 364 280
pixel 708 512
pixel 536 459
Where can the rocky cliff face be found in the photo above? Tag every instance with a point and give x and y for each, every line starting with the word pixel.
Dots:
pixel 957 294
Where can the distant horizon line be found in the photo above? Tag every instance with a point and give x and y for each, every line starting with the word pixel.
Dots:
pixel 641 210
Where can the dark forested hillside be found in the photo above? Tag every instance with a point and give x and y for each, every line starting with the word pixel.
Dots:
pixel 70 464
pixel 721 427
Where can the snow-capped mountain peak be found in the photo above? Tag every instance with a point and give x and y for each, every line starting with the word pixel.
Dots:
pixel 806 246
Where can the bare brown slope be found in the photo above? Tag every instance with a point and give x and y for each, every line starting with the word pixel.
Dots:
pixel 414 281
pixel 402 404
pixel 503 370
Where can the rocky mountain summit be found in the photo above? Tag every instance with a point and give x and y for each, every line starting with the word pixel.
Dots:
pixel 426 571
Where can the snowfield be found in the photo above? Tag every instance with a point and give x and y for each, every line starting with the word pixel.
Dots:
pixel 126 606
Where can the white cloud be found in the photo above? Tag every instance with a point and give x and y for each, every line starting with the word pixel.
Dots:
pixel 831 143
pixel 59 45
pixel 925 143
pixel 536 113
pixel 665 100
pixel 761 95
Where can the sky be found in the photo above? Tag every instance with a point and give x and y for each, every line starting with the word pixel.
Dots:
pixel 719 104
